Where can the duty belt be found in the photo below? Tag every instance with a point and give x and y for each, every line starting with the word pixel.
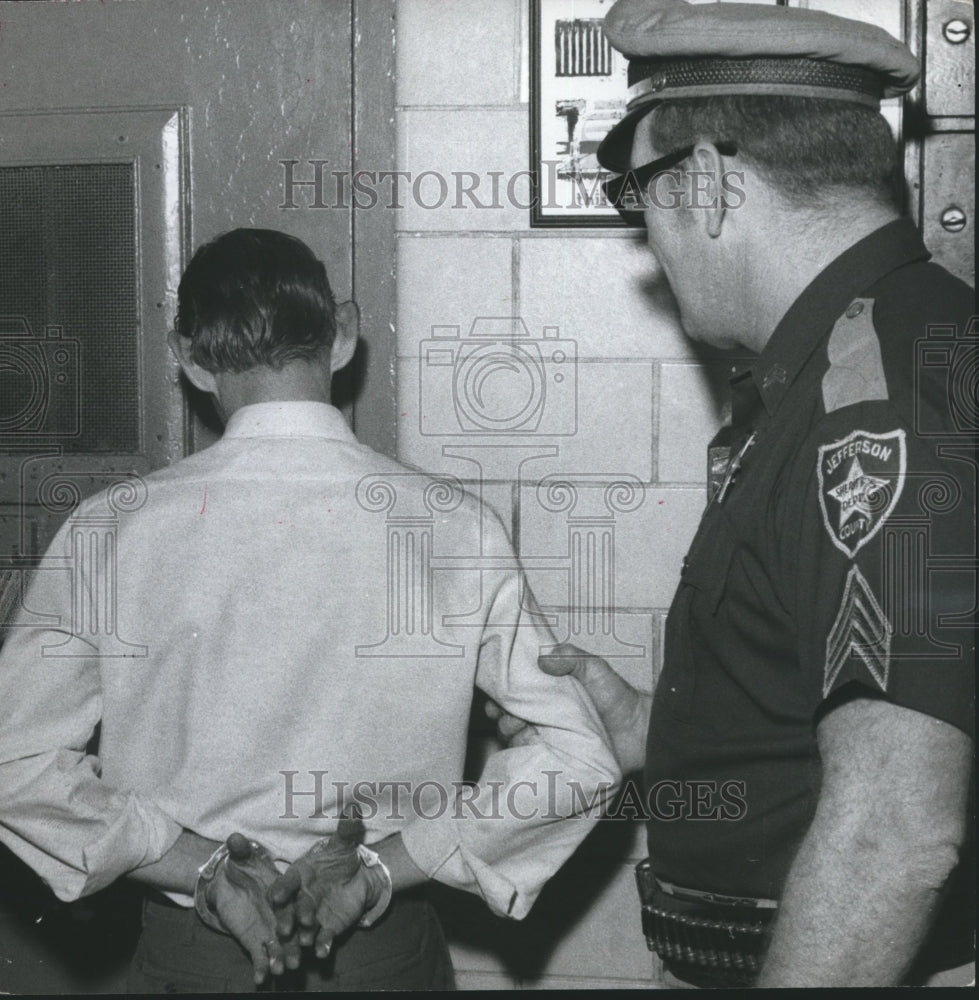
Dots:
pixel 705 938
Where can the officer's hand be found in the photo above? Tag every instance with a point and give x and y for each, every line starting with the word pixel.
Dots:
pixel 328 889
pixel 237 896
pixel 624 711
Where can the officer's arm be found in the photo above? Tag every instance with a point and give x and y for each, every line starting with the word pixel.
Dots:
pixel 888 826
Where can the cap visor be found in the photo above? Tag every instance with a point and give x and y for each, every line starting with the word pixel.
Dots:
pixel 615 150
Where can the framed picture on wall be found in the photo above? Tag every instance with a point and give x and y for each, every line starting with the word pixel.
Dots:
pixel 578 89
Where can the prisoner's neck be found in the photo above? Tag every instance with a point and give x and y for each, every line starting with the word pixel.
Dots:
pixel 296 381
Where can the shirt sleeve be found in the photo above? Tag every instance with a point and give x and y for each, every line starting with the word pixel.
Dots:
pixel 533 804
pixel 56 813
pixel 885 572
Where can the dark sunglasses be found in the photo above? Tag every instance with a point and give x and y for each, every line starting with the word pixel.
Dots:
pixel 627 193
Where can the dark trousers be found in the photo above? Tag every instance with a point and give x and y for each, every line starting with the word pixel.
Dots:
pixel 404 950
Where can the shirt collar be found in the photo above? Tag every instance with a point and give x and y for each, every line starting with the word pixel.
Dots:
pixel 289 418
pixel 822 303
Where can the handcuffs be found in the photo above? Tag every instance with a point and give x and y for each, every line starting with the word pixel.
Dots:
pixel 369 859
pixel 209 870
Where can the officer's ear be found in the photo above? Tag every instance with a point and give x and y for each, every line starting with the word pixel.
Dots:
pixel 348 331
pixel 200 377
pixel 707 191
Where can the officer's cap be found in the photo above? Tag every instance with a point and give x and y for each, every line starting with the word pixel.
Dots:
pixel 677 49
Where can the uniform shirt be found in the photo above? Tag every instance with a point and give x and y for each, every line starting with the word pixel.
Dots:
pixel 842 555
pixel 277 624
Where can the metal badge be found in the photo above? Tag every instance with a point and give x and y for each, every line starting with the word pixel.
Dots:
pixel 733 466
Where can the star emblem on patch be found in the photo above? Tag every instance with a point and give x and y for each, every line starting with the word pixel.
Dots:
pixel 858 494
pixel 860 478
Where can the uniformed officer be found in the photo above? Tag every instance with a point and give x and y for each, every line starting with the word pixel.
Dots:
pixel 818 659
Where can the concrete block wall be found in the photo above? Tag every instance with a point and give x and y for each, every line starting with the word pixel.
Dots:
pixel 637 405
pixel 633 373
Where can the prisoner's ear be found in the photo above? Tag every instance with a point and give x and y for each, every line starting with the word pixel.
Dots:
pixel 200 377
pixel 348 332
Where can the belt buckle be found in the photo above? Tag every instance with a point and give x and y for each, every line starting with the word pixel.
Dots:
pixel 645 881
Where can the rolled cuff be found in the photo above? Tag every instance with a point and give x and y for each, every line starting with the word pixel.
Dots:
pixel 139 835
pixel 452 865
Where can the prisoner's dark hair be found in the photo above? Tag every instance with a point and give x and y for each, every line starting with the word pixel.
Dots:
pixel 806 148
pixel 255 297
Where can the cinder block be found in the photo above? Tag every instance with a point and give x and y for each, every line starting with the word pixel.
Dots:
pixel 691 403
pixel 638 630
pixel 646 544
pixel 609 295
pixel 435 64
pixel 447 413
pixel 448 152
pixel 449 281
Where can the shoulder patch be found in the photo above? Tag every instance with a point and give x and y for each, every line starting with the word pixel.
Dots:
pixel 860 479
pixel 856 370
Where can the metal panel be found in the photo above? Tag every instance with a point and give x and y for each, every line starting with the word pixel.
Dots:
pixel 949 201
pixel 950 58
pixel 108 385
pixel 69 314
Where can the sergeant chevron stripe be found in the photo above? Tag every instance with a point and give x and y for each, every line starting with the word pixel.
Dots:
pixel 861 628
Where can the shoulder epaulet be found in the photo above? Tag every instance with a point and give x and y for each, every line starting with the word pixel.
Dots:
pixel 856 370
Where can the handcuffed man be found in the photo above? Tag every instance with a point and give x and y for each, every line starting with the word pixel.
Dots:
pixel 280 651
pixel 819 651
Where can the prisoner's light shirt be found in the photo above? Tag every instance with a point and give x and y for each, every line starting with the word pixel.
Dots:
pixel 263 576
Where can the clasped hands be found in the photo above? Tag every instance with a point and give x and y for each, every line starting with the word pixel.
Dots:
pixel 335 885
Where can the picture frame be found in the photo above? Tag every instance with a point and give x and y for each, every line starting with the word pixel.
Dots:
pixel 578 90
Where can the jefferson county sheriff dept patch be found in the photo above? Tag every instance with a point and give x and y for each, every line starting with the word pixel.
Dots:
pixel 860 481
